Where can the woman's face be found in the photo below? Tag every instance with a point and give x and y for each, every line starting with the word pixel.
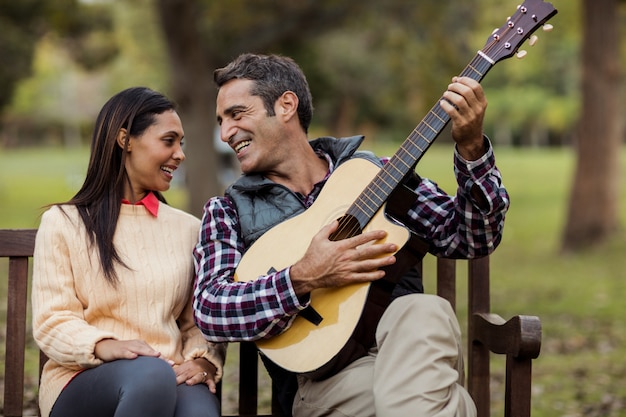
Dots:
pixel 154 155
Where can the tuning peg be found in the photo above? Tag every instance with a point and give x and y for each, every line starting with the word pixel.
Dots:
pixel 533 40
pixel 521 54
pixel 547 27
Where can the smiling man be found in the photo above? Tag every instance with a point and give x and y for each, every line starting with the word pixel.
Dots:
pixel 409 361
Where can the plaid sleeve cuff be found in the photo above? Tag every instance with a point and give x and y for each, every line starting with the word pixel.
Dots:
pixel 474 170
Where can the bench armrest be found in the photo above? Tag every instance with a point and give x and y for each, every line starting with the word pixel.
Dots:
pixel 519 337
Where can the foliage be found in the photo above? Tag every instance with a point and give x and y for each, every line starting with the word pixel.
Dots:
pixel 373 56
pixel 62 98
pixel 17 43
pixel 82 27
pixel 370 64
pixel 142 59
pixel 56 97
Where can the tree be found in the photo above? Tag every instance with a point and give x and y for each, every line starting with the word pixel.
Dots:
pixel 82 27
pixel 193 91
pixel 593 215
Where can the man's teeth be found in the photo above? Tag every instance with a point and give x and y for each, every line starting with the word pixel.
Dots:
pixel 241 145
pixel 167 169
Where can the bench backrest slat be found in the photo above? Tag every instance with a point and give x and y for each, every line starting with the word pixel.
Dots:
pixel 18 246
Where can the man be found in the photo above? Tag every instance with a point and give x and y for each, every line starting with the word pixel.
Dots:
pixel 414 366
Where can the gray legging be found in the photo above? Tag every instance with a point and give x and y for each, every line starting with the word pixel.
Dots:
pixel 144 386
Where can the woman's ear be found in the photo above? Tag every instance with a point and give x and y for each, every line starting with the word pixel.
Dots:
pixel 121 139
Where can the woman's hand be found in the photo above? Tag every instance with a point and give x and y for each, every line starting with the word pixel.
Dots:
pixel 109 350
pixel 197 371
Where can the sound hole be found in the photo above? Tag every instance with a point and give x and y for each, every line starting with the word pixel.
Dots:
pixel 348 227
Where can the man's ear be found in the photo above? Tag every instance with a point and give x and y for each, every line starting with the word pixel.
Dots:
pixel 121 139
pixel 287 104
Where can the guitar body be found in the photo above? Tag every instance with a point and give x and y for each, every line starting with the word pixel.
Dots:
pixel 306 347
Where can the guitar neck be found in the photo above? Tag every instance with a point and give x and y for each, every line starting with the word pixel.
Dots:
pixel 411 151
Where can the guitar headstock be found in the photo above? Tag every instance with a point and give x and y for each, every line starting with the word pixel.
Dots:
pixel 505 41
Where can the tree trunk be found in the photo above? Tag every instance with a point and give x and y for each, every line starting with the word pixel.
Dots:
pixel 194 92
pixel 593 215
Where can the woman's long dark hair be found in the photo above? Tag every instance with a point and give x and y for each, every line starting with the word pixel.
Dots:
pixel 99 199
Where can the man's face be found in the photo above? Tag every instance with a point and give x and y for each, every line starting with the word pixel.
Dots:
pixel 246 127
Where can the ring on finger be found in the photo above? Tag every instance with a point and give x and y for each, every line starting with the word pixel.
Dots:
pixel 204 375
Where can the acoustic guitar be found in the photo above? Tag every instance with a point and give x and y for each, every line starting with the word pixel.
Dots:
pixel 357 194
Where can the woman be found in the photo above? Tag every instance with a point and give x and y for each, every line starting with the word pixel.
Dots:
pixel 112 279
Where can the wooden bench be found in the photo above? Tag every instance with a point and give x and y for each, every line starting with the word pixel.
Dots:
pixel 519 338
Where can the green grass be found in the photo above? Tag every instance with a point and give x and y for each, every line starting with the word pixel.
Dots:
pixel 579 299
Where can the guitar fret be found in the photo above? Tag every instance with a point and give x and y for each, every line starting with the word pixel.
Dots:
pixel 425 138
pixel 385 186
pixel 477 68
pixel 361 214
pixel 440 118
pixel 372 208
pixel 391 164
pixel 405 152
pixel 381 185
pixel 430 127
pixel 403 162
pixel 415 145
pixel 470 67
pixel 417 148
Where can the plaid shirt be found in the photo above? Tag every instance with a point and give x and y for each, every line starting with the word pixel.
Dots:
pixel 226 310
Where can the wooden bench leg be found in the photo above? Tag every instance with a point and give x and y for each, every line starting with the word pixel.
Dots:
pixel 518 387
pixel 479 379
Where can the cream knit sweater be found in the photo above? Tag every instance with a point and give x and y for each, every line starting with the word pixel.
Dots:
pixel 74 307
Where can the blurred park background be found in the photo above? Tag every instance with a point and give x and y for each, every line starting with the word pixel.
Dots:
pixel 375 68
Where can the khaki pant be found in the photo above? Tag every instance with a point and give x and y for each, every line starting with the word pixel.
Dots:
pixel 416 369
